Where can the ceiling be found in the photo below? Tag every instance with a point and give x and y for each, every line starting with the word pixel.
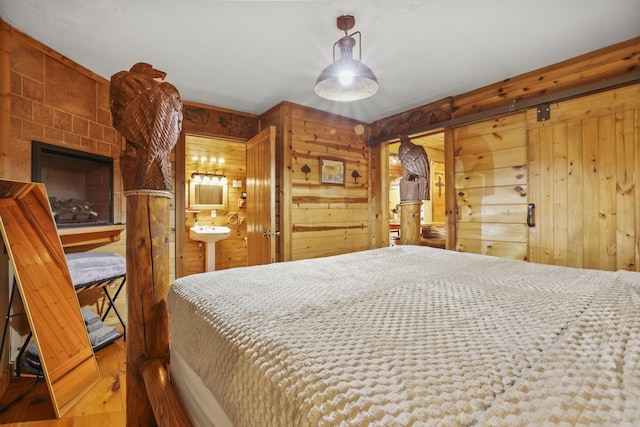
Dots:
pixel 250 55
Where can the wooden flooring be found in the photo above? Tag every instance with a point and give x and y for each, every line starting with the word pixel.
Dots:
pixel 103 405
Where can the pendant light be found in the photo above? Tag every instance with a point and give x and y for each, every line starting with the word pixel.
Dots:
pixel 346 79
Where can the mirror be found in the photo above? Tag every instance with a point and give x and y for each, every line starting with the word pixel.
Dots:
pixel 207 195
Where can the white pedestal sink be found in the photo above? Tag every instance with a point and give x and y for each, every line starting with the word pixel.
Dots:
pixel 209 234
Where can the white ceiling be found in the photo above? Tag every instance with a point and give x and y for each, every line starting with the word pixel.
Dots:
pixel 251 55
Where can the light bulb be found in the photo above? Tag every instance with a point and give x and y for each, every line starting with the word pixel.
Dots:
pixel 346 78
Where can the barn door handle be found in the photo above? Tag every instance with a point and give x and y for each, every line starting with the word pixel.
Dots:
pixel 271 233
pixel 530 211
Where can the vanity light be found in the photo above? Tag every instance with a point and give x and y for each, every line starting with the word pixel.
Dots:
pixel 209 178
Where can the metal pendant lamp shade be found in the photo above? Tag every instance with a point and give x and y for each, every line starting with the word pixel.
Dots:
pixel 346 79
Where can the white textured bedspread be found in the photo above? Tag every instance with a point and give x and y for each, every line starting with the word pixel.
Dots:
pixel 411 335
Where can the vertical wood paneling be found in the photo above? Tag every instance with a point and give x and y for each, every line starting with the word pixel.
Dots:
pixel 575 253
pixel 591 201
pixel 626 189
pixel 545 206
pixel 533 164
pixel 560 195
pixel 588 211
pixel 607 192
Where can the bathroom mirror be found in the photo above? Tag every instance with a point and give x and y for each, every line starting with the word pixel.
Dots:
pixel 207 195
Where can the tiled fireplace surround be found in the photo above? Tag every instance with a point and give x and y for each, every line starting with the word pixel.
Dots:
pixel 55 101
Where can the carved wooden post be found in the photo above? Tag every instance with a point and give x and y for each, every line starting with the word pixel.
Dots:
pixel 410 223
pixel 147 286
pixel 409 213
pixel 148 113
pixel 414 187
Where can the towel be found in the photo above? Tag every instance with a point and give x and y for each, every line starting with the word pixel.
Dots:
pixel 102 335
pixel 94 326
pixel 32 357
pixel 89 316
pixel 107 338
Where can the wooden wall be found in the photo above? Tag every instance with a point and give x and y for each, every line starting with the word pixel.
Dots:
pixel 584 181
pixel 438 183
pixel 319 219
pixel 491 187
pixel 580 171
pixel 578 168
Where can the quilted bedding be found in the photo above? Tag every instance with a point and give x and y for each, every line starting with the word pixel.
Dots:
pixel 411 335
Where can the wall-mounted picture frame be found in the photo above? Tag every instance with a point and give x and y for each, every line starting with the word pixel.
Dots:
pixel 331 171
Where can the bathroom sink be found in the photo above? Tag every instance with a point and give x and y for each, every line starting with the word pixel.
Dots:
pixel 209 233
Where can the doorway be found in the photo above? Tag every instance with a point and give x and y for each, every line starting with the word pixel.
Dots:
pixel 433 211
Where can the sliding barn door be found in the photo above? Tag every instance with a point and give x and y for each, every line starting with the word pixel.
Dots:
pixel 491 187
pixel 584 182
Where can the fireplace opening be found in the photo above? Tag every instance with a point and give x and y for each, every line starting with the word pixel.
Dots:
pixel 79 184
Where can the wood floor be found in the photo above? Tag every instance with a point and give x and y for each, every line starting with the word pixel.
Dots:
pixel 103 405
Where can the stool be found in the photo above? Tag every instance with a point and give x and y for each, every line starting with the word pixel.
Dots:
pixel 95 270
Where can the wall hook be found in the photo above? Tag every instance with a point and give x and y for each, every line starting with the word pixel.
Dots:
pixel 355 176
pixel 306 169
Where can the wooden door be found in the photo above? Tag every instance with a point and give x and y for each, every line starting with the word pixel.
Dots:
pixel 584 181
pixel 261 198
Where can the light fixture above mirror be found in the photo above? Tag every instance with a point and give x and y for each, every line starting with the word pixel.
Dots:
pixel 207 191
pixel 347 79
pixel 209 178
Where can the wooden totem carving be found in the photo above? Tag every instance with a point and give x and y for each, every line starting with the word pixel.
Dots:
pixel 415 171
pixel 148 112
pixel 414 187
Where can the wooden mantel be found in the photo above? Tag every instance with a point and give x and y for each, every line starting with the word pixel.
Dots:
pixel 90 236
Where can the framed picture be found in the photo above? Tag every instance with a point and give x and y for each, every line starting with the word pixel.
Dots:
pixel 331 171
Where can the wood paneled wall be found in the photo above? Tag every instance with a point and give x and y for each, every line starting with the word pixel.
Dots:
pixel 319 219
pixel 491 187
pixel 584 180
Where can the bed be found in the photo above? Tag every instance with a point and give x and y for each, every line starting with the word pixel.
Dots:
pixel 407 335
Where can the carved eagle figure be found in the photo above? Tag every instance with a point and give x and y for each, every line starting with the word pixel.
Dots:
pixel 415 165
pixel 148 112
